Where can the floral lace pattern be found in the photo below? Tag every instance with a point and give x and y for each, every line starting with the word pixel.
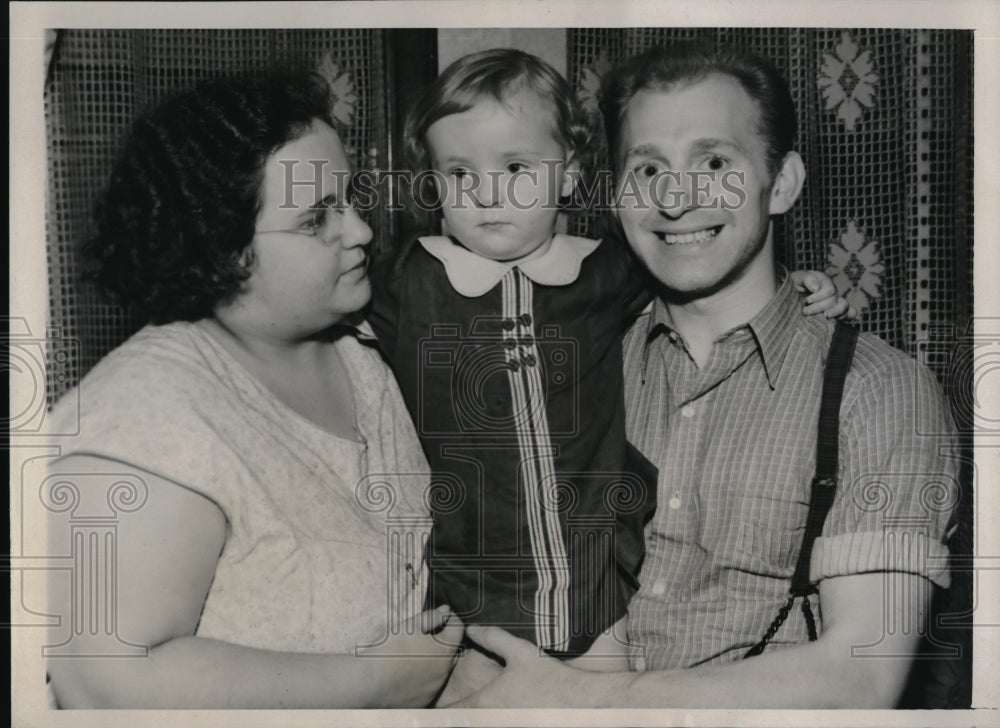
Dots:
pixel 855 265
pixel 344 97
pixel 847 81
pixel 588 90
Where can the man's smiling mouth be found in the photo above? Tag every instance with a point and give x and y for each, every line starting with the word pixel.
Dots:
pixel 698 236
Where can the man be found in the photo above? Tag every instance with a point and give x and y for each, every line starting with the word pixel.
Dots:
pixel 723 384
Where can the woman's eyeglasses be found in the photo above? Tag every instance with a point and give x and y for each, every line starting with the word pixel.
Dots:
pixel 326 220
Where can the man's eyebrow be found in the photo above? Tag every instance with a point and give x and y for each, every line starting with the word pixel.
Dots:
pixel 700 146
pixel 710 143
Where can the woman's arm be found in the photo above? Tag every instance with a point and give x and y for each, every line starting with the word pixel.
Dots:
pixel 166 559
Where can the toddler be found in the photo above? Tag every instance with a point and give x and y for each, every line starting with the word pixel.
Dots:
pixel 505 337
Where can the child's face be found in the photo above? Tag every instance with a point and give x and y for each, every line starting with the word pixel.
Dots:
pixel 503 172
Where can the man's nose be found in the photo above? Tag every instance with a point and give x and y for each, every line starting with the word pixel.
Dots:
pixel 672 194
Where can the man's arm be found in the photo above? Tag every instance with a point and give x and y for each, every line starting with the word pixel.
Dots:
pixel 886 610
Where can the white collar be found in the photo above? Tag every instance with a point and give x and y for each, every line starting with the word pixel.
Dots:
pixel 473 275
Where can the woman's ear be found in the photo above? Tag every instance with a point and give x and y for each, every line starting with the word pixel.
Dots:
pixel 247 258
pixel 787 184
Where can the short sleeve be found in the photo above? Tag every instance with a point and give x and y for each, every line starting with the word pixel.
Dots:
pixel 898 490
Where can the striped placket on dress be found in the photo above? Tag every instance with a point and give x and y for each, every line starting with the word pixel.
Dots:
pixel 548 548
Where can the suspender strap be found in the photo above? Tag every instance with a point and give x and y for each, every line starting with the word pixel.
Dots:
pixel 824 484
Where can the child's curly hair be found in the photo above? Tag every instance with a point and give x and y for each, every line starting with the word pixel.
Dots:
pixel 178 215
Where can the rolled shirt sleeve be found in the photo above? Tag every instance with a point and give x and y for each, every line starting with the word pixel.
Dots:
pixel 898 486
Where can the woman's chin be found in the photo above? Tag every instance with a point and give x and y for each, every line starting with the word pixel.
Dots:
pixel 352 301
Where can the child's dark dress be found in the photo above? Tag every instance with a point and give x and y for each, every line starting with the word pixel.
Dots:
pixel 514 382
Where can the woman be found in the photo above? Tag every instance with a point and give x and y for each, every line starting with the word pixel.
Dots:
pixel 258 420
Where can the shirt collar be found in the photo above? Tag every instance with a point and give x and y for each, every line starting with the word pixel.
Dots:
pixel 772 328
pixel 473 275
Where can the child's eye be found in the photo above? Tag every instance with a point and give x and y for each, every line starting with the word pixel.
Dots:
pixel 458 172
pixel 515 167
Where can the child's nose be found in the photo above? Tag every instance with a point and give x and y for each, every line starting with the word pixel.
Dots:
pixel 490 192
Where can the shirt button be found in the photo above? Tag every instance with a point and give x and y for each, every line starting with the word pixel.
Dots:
pixel 529 360
pixel 527 340
pixel 526 319
pixel 509 343
pixel 674 503
pixel 659 587
pixel 687 411
pixel 514 365
pixel 508 324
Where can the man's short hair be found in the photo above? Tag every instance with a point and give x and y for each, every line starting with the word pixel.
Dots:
pixel 664 67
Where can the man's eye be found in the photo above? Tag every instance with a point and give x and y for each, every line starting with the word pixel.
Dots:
pixel 458 173
pixel 717 163
pixel 515 167
pixel 647 169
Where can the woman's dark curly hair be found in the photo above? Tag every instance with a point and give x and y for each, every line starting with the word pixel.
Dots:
pixel 178 215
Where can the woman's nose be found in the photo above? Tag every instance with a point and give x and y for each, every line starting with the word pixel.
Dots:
pixel 356 230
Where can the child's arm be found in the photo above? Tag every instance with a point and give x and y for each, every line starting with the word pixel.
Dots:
pixel 822 296
pixel 609 652
pixel 625 271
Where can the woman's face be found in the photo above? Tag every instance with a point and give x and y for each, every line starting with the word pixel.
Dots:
pixel 310 266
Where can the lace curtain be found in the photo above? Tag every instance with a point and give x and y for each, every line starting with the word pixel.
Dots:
pixel 885 130
pixel 98 80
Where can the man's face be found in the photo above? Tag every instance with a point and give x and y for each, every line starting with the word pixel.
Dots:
pixel 694 193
